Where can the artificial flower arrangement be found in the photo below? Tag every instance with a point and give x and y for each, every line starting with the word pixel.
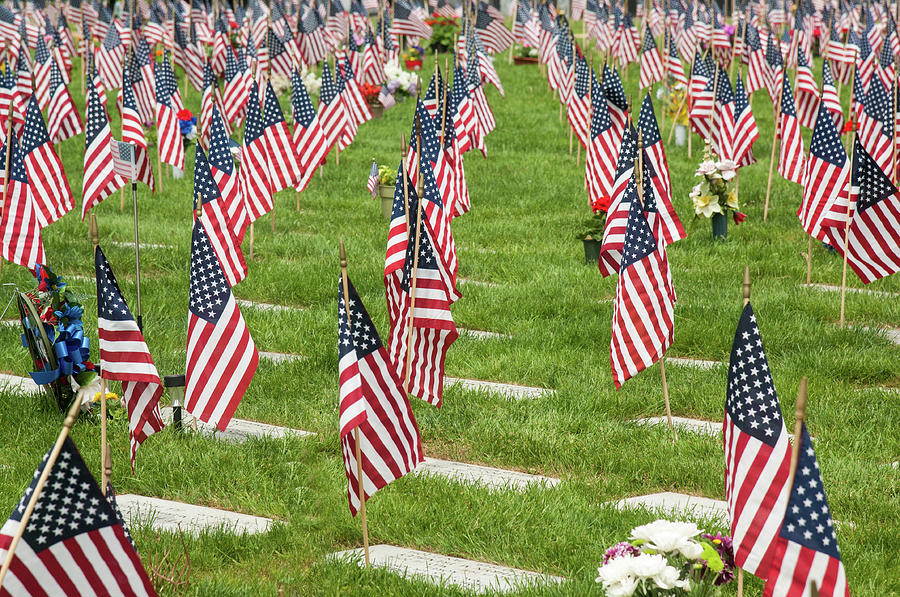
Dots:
pixel 188 124
pixel 676 106
pixel 370 92
pixel 526 51
pixel 413 57
pixel 280 83
pixel 592 228
pixel 715 192
pixel 387 176
pixel 400 83
pixel 667 558
pixel 59 310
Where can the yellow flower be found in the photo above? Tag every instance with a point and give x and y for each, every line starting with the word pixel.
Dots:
pixel 717 541
pixel 109 396
pixel 732 201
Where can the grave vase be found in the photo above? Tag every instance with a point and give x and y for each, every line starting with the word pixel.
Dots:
pixel 719 226
pixel 680 135
pixel 386 193
pixel 591 251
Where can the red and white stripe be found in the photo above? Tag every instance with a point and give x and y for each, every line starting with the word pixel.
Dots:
pixel 170 144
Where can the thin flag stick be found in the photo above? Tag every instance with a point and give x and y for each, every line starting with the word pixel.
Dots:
pixel 139 318
pixel 746 288
pixel 847 229
pixel 51 460
pixel 689 99
pixel 774 143
pixel 639 180
pixel 799 415
pixel 356 435
pixel 95 240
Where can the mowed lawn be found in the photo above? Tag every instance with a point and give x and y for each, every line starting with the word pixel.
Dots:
pixel 527 202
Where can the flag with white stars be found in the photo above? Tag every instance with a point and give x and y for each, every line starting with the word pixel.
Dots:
pixel 827 172
pixel 791 159
pixel 20 230
pixel 221 355
pixel 284 160
pixel 664 219
pixel 309 139
pixel 171 146
pixel 643 323
pixel 651 61
pixel 100 179
pixel 332 112
pixel 124 357
pixel 807 552
pixel 757 451
pixel 221 166
pixel 619 206
pixel 73 543
pixel 63 119
pixel 372 404
pixel 46 176
pixel 255 173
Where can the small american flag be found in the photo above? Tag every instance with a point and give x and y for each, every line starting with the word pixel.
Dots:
pixel 237 80
pixel 284 162
pixel 20 231
pixel 170 144
pixel 100 176
pixel 579 112
pixel 49 185
pixel 60 538
pixel 406 22
pixel 674 67
pixel 757 451
pixel 620 206
pixel 807 550
pixel 255 173
pixel 602 151
pixel 124 357
pixel 790 155
pixel 643 313
pixel 310 140
pixel 723 129
pixel 221 355
pixel 372 183
pixel 757 72
pixel 333 115
pixel 827 172
pixel 651 62
pixel 63 119
pixel 745 131
pixel 123 158
pixel 807 92
pixel 830 97
pixel 109 59
pixel 221 166
pixel 385 97
pixel 492 31
pixel 373 402
pixel 876 124
pixel 661 214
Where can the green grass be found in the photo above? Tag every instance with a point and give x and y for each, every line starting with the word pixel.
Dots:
pixel 527 200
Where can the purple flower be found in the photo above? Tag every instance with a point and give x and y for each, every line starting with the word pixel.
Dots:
pixel 729 29
pixel 623 548
pixel 393 85
pixel 724 546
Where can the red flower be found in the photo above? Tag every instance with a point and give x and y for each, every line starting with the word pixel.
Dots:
pixel 848 127
pixel 232 24
pixel 738 217
pixel 601 204
pixel 185 114
pixel 817 32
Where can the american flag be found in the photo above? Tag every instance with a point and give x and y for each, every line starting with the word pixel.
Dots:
pixel 124 357
pixel 702 101
pixel 100 179
pixel 20 231
pixel 42 62
pixel 63 119
pixel 757 70
pixel 579 105
pixel 723 123
pixel 674 67
pixel 333 116
pixel 133 132
pixel 372 182
pixel 397 233
pixel 525 27
pixel 774 69
pixel 827 173
pixel 109 59
pixel 431 100
pixel 493 33
pixel 237 86
pixel 433 330
pixel 311 30
pixel 807 550
pixel 663 218
pixel 279 57
pixel 790 154
pixel 830 97
pixel 616 100
pixel 406 22
pixel 807 92
pixel 284 161
pixel 462 202
pixel 221 166
pixel 602 151
pixel 221 355
pixel 373 403
pixel 216 223
pixel 373 62
pixel 351 124
pixel 311 142
pixel 221 45
pixel 745 131
pixel 60 537
pixel 876 124
pixel 465 123
pixel 874 235
pixel 651 62
pixel 480 106
pixel 865 59
pixel 620 206
pixel 352 95
pixel 255 176
pixel 46 176
pixel 757 451
pixel 123 159
pixel 643 312
pixel 144 81
pixel 169 142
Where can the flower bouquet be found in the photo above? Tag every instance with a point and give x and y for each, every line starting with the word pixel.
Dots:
pixel 667 558
pixel 714 196
pixel 400 83
pixel 677 112
pixel 412 57
pixel 525 54
pixel 443 34
pixel 591 233
pixel 54 334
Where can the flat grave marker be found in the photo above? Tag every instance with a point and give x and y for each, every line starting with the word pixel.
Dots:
pixel 508 390
pixel 831 288
pixel 238 430
pixel 438 569
pixel 700 426
pixel 280 357
pixel 15 383
pixel 694 363
pixel 675 504
pixel 476 474
pixel 267 306
pixel 169 515
pixel 482 334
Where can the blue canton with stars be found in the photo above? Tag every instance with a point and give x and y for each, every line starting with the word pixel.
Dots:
pixel 612 87
pixel 209 289
pixel 35 133
pixel 69 505
pixel 16 164
pixel 364 337
pixel 253 128
pixel 431 144
pixel 639 240
pixel 878 103
pixel 870 182
pixel 627 152
pixel 648 44
pixel 751 401
pixel 600 118
pixel 787 99
pixel 808 518
pixel 328 91
pixel 273 114
pixel 97 120
pixel 304 112
pixel 826 143
pixel 647 176
pixel 582 76
pixel 724 93
pixel 219 147
pixel 205 188
pixel 110 303
pixel 427 258
pixel 398 210
pixel 647 123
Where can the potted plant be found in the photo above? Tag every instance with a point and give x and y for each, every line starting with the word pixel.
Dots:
pixel 525 55
pixel 591 234
pixel 676 111
pixel 412 57
pixel 443 34
pixel 387 179
pixel 715 195
pixel 370 93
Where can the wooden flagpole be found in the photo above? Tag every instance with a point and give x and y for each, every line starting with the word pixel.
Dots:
pixel 357 438
pixel 774 143
pixel 639 181
pixel 687 98
pixel 95 240
pixel 799 415
pixel 746 289
pixel 847 229
pixel 42 480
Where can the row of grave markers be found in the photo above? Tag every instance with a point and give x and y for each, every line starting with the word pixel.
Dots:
pixel 168 515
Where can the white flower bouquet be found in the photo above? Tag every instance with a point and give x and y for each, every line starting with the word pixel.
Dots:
pixel 715 193
pixel 667 558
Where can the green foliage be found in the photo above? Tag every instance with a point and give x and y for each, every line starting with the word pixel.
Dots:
pixel 443 37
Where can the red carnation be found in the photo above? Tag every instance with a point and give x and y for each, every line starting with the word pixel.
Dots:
pixel 185 114
pixel 738 217
pixel 601 204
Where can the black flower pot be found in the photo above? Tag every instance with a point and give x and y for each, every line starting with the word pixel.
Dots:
pixel 719 226
pixel 591 251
